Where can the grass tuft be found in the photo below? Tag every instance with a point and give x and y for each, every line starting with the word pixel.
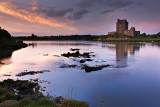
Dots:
pixel 74 103
pixel 43 102
pixel 6 94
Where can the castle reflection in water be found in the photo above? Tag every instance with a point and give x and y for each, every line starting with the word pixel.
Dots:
pixel 123 49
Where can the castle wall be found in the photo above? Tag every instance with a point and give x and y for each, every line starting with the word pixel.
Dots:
pixel 132 32
pixel 111 33
pixel 128 32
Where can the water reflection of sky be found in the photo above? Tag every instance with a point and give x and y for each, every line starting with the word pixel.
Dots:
pixel 131 81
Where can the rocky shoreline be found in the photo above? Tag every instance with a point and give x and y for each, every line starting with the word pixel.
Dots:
pixel 15 45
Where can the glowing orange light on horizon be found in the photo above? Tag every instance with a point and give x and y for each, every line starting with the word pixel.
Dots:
pixel 8 8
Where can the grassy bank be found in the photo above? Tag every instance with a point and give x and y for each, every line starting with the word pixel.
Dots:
pixel 136 39
pixel 23 93
pixel 109 38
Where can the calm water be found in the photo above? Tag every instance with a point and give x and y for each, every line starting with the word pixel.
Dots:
pixel 132 80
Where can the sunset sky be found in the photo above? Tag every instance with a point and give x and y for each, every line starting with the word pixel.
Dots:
pixel 65 17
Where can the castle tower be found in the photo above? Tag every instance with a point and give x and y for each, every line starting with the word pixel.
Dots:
pixel 121 26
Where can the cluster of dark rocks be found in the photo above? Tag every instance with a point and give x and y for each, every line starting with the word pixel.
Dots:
pixel 94 68
pixel 85 60
pixel 86 57
pixel 68 66
pixel 77 54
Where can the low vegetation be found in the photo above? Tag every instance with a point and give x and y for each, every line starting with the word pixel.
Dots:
pixel 116 37
pixel 59 37
pixel 24 93
pixel 74 103
pixel 126 38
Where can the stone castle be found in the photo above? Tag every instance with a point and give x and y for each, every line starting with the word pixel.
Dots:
pixel 122 28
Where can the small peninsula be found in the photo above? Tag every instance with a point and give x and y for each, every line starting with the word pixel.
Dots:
pixel 6 41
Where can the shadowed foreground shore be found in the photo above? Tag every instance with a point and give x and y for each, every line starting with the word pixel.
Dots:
pixel 26 93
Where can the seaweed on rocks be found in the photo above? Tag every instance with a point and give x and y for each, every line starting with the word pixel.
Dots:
pixel 77 54
pixel 84 60
pixel 93 68
pixel 68 66
pixel 76 49
pixel 32 73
